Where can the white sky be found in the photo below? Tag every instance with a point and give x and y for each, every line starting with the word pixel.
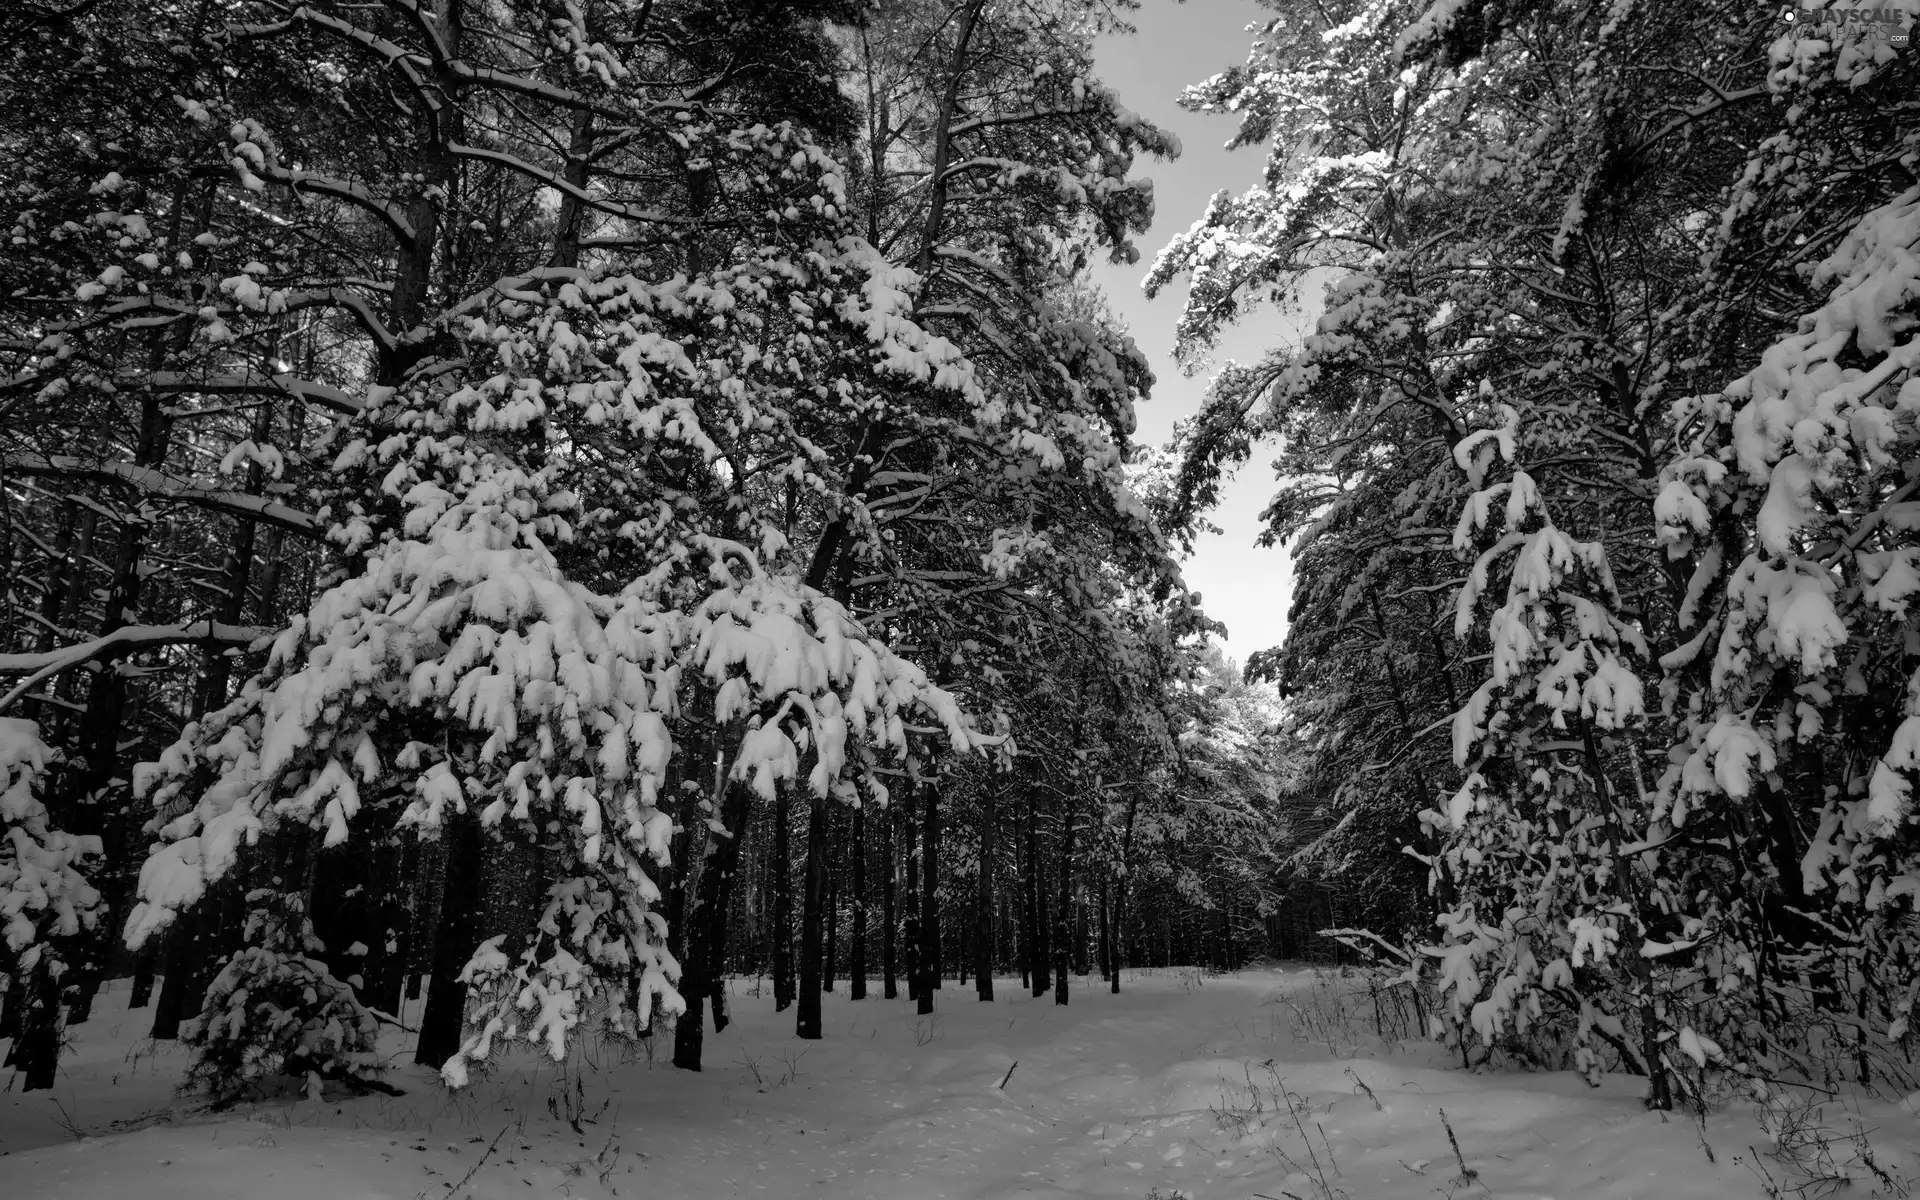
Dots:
pixel 1180 44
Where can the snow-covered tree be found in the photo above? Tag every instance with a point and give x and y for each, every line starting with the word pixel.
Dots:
pixel 1787 492
pixel 46 899
pixel 1549 886
pixel 274 1010
pixel 1662 838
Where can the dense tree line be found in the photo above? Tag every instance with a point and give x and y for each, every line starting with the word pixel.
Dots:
pixel 1599 465
pixel 534 506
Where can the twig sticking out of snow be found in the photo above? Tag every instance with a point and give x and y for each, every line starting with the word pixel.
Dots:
pixel 475 1169
pixel 1467 1173
pixel 1362 1085
pixel 1008 1075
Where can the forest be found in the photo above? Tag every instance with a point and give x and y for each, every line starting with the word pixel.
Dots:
pixel 539 508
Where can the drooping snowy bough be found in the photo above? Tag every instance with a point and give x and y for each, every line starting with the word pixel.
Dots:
pixel 1728 879
pixel 44 894
pixel 1794 495
pixel 45 897
pixel 1535 837
pixel 465 671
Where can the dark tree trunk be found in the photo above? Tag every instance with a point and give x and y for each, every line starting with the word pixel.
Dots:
pixel 1106 934
pixel 456 935
pixel 1120 885
pixel 910 923
pixel 687 940
pixel 96 800
pixel 193 952
pixel 36 1047
pixel 66 562
pixel 1042 931
pixel 1063 912
pixel 1036 914
pixel 782 932
pixel 832 908
pixel 387 971
pixel 707 929
pixel 983 899
pixel 1082 958
pixel 857 952
pixel 342 908
pixel 238 569
pixel 888 967
pixel 566 241
pixel 812 914
pixel 179 956
pixel 725 869
pixel 1022 920
pixel 144 969
pixel 929 898
pixel 424 920
pixel 11 1002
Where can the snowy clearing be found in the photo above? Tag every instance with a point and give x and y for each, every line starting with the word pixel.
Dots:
pixel 1174 1086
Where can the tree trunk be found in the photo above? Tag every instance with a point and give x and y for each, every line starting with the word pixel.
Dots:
pixel 1106 934
pixel 983 899
pixel 832 908
pixel 436 167
pixel 782 933
pixel 939 183
pixel 424 920
pixel 857 956
pixel 929 898
pixel 144 969
pixel 888 966
pixel 192 951
pixel 11 1002
pixel 910 922
pixel 342 907
pixel 705 965
pixel 1660 1095
pixel 386 973
pixel 1022 920
pixel 566 241
pixel 36 1047
pixel 455 937
pixel 1082 959
pixel 722 872
pixel 1063 912
pixel 812 913
pixel 1036 913
pixel 238 569
pixel 691 951
pixel 1120 885
pixel 178 955
pixel 65 562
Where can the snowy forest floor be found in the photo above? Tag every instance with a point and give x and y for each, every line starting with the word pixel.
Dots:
pixel 1266 1083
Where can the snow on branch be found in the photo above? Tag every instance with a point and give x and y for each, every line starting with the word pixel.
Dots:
pixel 282 384
pixel 128 639
pixel 160 484
pixel 599 204
pixel 43 893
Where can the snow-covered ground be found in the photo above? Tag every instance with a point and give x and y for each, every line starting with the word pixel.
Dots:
pixel 1237 1087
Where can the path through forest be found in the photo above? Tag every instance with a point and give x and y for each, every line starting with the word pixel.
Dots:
pixel 1175 1085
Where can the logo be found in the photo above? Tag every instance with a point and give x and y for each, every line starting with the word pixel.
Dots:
pixel 1883 24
